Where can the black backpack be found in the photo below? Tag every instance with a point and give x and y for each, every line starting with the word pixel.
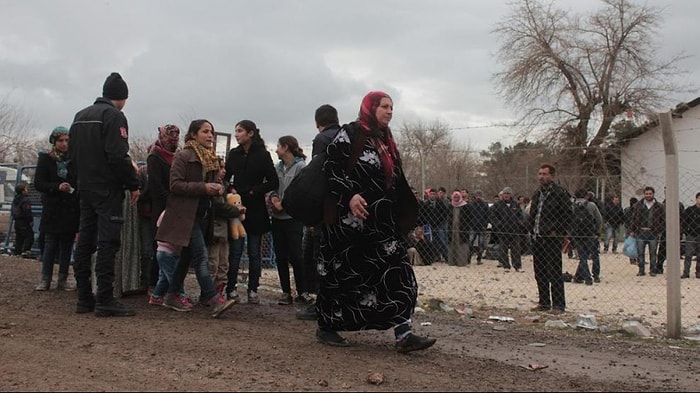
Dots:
pixel 584 223
pixel 305 197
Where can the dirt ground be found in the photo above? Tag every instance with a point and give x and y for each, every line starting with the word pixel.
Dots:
pixel 44 345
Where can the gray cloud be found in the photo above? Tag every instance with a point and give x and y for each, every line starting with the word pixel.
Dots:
pixel 270 61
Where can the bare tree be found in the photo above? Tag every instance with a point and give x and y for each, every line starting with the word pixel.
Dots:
pixel 572 75
pixel 418 141
pixel 138 147
pixel 16 140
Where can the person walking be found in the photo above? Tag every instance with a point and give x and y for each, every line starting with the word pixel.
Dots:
pixel 98 154
pixel 287 232
pixel 366 278
pixel 60 214
pixel 551 213
pixel 188 221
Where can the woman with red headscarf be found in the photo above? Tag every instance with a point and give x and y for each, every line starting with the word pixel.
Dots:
pixel 366 278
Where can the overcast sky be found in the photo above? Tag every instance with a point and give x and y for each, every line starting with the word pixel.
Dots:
pixel 274 62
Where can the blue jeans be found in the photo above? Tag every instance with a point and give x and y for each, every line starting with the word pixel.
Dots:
pixel 196 254
pixel 440 236
pixel 611 232
pixel 587 247
pixel 56 245
pixel 254 261
pixel 166 264
pixel 644 238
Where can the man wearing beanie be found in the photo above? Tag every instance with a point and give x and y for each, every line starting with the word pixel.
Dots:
pixel 99 156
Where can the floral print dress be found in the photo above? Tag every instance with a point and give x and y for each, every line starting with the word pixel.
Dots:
pixel 366 279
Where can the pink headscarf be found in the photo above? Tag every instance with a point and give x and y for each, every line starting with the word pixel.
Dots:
pixel 384 145
pixel 457 200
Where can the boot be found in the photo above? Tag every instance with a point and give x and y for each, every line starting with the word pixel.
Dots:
pixel 44 284
pixel 63 284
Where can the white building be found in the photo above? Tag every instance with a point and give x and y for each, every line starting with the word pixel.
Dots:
pixel 644 162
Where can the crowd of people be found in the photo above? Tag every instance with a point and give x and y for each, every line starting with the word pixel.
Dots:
pixel 353 270
pixel 198 211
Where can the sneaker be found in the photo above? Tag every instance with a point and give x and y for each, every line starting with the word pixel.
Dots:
pixel 113 308
pixel 596 280
pixel 219 305
pixel 304 298
pixel 331 338
pixel 307 314
pixel 221 289
pixel 156 300
pixel 43 285
pixel 233 295
pixel 85 306
pixel 414 342
pixel 177 303
pixel 285 300
pixel 589 282
pixel 253 297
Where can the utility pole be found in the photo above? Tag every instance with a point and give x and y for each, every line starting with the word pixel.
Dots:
pixel 673 246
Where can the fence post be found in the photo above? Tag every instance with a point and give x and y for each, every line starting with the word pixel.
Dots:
pixel 673 247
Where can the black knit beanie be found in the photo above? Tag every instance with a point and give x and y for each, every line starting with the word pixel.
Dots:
pixel 115 87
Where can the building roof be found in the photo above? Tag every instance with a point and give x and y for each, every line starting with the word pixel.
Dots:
pixel 624 137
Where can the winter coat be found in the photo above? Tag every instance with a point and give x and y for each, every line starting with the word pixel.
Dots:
pixel 614 215
pixel 253 175
pixel 478 215
pixel 691 221
pixel 60 210
pixel 158 184
pixel 99 149
pixel 187 192
pixel 556 215
pixel 658 218
pixel 508 218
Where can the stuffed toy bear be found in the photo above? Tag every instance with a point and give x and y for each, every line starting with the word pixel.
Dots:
pixel 237 229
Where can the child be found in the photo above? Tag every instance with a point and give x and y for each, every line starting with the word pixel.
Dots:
pixel 218 247
pixel 167 256
pixel 24 221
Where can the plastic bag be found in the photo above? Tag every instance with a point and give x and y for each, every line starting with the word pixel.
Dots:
pixel 630 247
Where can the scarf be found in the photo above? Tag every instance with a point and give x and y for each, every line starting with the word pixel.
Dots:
pixel 158 149
pixel 380 137
pixel 457 200
pixel 167 142
pixel 61 163
pixel 209 160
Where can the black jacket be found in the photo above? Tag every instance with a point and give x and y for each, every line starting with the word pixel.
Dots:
pixel 253 175
pixel 158 184
pixel 478 215
pixel 323 139
pixel 99 149
pixel 556 212
pixel 613 215
pixel 691 221
pixel 60 210
pixel 507 218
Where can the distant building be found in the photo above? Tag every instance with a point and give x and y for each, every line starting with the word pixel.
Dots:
pixel 644 162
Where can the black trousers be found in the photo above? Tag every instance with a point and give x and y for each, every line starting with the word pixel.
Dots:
pixel 24 235
pixel 101 220
pixel 310 250
pixel 546 253
pixel 287 239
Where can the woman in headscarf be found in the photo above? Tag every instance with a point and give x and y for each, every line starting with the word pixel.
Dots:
pixel 60 214
pixel 460 230
pixel 158 163
pixel 366 279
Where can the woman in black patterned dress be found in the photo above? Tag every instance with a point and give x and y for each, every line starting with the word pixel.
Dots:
pixel 366 279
